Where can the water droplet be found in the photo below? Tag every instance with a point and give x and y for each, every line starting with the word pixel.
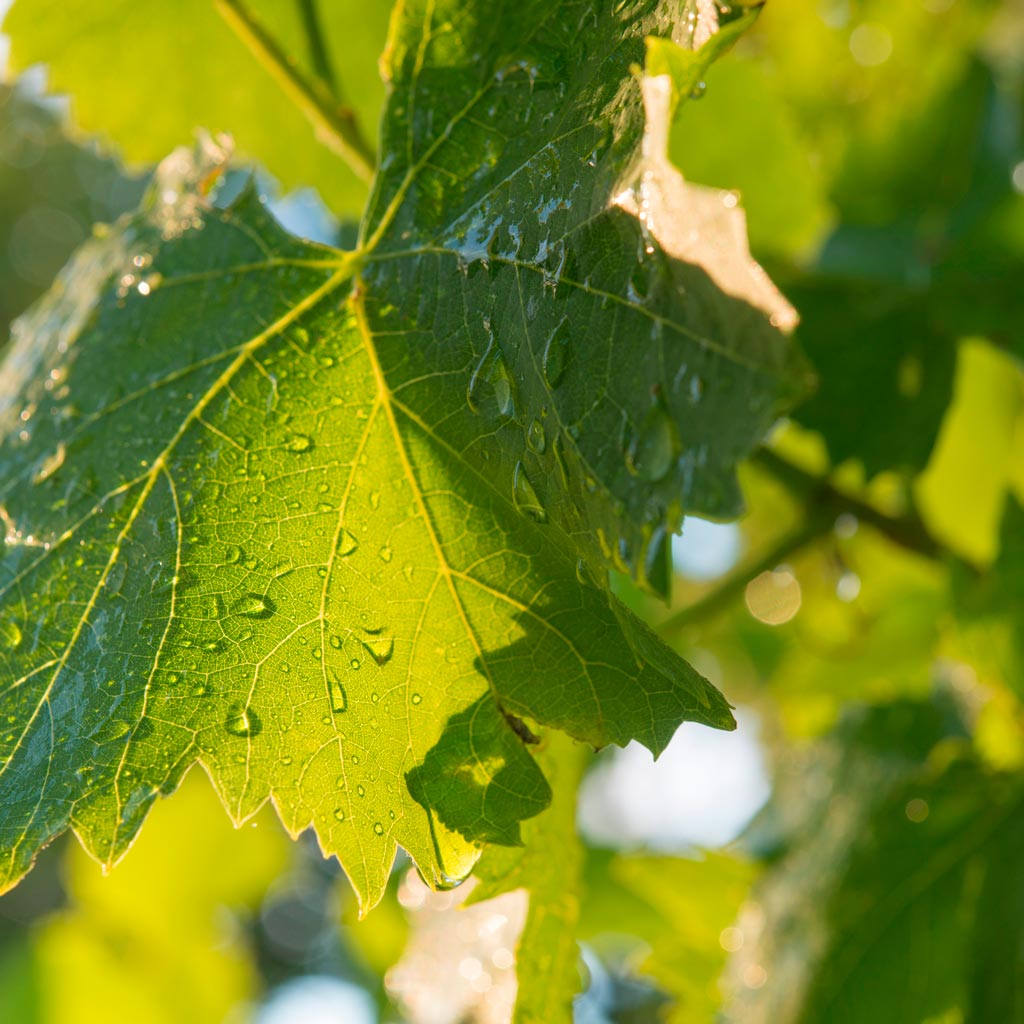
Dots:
pixel 355 663
pixel 10 634
pixel 638 284
pixel 385 554
pixel 652 448
pixel 696 388
pixel 360 790
pixel 380 649
pixel 347 544
pixel 525 497
pixel 445 883
pixel 583 573
pixel 339 699
pixel 556 353
pixel 254 606
pixel 378 828
pixel 698 91
pixel 233 554
pixel 242 721
pixel 113 730
pixel 416 698
pixel 200 689
pixel 536 438
pixel 339 813
pixel 336 642
pixel 299 444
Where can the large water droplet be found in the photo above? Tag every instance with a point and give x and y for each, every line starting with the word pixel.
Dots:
pixel 652 448
pixel 556 353
pixel 638 284
pixel 347 544
pixel 339 698
pixel 254 606
pixel 525 497
pixel 233 554
pixel 299 444
pixel 491 370
pixel 378 828
pixel 380 648
pixel 10 634
pixel 504 389
pixel 536 438
pixel 242 721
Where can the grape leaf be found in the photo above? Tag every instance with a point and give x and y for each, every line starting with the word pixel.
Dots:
pixel 862 336
pixel 927 919
pixel 253 520
pixel 145 77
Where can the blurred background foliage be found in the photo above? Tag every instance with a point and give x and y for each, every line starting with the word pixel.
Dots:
pixel 854 852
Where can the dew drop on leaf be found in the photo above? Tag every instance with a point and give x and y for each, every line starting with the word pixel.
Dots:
pixel 638 283
pixel 380 649
pixel 299 444
pixel 416 698
pixel 339 699
pixel 254 606
pixel 10 635
pixel 536 438
pixel 339 813
pixel 378 828
pixel 504 392
pixel 652 448
pixel 525 497
pixel 360 790
pixel 233 554
pixel 347 544
pixel 556 353
pixel 242 721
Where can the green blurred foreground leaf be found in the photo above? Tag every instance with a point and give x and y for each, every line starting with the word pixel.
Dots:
pixel 333 524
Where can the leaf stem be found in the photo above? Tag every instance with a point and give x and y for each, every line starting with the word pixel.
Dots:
pixel 823 503
pixel 318 47
pixel 335 124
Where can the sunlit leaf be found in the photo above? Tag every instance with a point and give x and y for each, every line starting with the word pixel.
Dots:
pixel 315 519
pixel 145 76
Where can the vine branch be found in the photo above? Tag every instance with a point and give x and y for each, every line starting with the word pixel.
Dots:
pixel 823 502
pixel 318 47
pixel 335 124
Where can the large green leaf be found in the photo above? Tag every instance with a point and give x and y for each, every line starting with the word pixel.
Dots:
pixel 145 76
pixel 253 518
pixel 927 920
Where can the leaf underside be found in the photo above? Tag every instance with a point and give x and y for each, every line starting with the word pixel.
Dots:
pixel 331 524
